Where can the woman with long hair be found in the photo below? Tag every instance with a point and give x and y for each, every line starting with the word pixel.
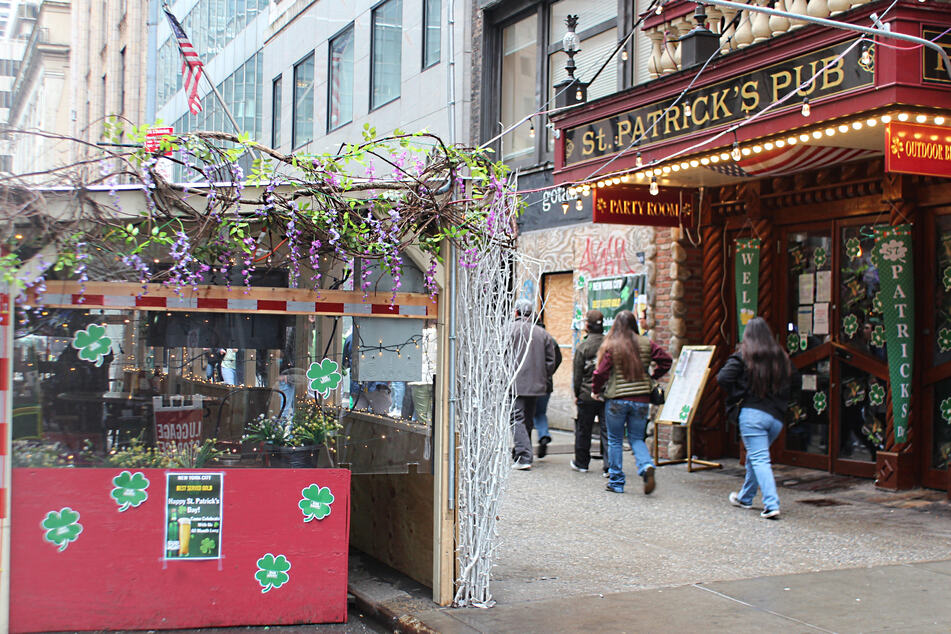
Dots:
pixel 622 373
pixel 757 379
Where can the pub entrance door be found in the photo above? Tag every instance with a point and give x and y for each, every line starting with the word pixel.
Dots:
pixel 833 330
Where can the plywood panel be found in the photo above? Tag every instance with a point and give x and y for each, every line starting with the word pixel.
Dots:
pixel 557 315
pixel 392 521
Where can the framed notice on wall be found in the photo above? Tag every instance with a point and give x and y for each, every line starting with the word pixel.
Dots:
pixel 193 516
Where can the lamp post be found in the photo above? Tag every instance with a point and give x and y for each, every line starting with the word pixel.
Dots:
pixel 571 91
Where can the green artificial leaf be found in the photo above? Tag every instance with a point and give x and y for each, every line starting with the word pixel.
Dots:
pixel 316 502
pixel 272 571
pixel 62 528
pixel 130 489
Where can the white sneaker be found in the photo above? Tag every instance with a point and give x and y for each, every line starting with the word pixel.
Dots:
pixel 770 515
pixel 522 466
pixel 577 468
pixel 735 501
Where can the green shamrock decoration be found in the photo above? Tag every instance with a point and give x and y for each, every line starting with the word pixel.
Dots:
pixel 92 343
pixel 207 545
pixel 877 305
pixel 316 502
pixel 878 336
pixel 946 410
pixel 323 376
pixel 944 340
pixel 581 281
pixel 792 342
pixel 803 343
pixel 130 489
pixel 684 413
pixel 851 325
pixel 946 278
pixel 819 257
pixel 62 528
pixel 853 248
pixel 272 571
pixel 876 394
pixel 819 402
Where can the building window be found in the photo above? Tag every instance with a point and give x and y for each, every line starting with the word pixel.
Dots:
pixel 385 49
pixel 431 21
pixel 519 81
pixel 276 113
pixel 340 81
pixel 303 129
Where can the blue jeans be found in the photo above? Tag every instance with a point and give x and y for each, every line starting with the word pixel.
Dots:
pixel 632 416
pixel 541 416
pixel 758 430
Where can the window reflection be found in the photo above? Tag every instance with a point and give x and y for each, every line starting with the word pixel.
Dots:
pixel 861 325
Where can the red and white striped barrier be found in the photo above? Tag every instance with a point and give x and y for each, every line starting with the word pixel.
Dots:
pixel 6 430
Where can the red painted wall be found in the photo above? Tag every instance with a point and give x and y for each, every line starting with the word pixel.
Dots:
pixel 114 576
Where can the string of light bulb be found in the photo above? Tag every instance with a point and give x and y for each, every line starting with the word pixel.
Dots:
pixel 738 151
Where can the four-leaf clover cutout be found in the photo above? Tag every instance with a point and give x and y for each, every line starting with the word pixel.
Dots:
pixel 853 248
pixel 878 337
pixel 323 376
pixel 130 489
pixel 272 571
pixel 851 325
pixel 684 413
pixel 946 410
pixel 944 340
pixel 876 394
pixel 792 342
pixel 877 305
pixel 92 343
pixel 316 502
pixel 946 278
pixel 819 402
pixel 62 527
pixel 819 257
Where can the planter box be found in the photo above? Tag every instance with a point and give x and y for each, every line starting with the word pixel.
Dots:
pixel 115 576
pixel 894 471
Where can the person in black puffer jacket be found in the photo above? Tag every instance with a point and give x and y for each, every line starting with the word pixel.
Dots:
pixel 583 364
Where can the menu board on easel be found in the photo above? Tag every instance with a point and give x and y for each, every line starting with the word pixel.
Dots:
pixel 686 384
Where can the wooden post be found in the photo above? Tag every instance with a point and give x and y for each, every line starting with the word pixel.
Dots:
pixel 444 517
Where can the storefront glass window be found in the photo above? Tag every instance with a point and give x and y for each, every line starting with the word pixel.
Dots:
pixel 861 414
pixel 807 420
pixel 942 303
pixel 941 450
pixel 860 325
pixel 809 285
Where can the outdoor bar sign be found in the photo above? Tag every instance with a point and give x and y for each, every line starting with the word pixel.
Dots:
pixel 893 257
pixel 635 205
pixel 912 148
pixel 720 103
pixel 193 516
pixel 746 269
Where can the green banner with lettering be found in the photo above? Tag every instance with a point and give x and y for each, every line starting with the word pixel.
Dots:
pixel 893 257
pixel 746 269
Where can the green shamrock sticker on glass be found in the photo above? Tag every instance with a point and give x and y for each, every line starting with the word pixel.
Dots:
pixel 92 343
pixel 803 343
pixel 316 502
pixel 946 410
pixel 792 342
pixel 853 248
pixel 946 278
pixel 819 257
pixel 207 545
pixel 272 571
pixel 850 325
pixel 324 377
pixel 876 394
pixel 62 528
pixel 819 402
pixel 130 489
pixel 684 413
pixel 878 336
pixel 944 340
pixel 877 305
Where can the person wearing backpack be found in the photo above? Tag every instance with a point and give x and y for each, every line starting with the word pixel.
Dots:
pixel 583 364
pixel 756 379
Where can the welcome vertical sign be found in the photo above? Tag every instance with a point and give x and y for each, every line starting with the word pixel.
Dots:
pixel 893 257
pixel 746 270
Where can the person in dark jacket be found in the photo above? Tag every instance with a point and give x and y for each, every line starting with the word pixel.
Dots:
pixel 582 374
pixel 540 420
pixel 622 372
pixel 757 378
pixel 532 378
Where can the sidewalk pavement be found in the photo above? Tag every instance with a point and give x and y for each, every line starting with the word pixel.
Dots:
pixel 843 557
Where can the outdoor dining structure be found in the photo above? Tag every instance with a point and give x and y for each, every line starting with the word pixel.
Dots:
pixel 203 449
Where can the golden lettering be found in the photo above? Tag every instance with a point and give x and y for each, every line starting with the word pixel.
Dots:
pixel 623 129
pixel 939 66
pixel 638 127
pixel 601 146
pixel 587 143
pixel 834 70
pixel 749 91
pixel 652 119
pixel 777 86
pixel 695 108
pixel 807 90
pixel 720 103
pixel 671 118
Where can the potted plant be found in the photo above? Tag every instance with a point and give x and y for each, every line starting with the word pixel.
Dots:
pixel 310 429
pixel 271 432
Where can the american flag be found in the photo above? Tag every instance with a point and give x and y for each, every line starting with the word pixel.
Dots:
pixel 790 160
pixel 191 65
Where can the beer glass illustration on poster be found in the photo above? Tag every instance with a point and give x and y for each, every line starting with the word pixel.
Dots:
pixel 193 516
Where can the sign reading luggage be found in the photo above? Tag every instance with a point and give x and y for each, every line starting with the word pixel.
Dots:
pixel 193 516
